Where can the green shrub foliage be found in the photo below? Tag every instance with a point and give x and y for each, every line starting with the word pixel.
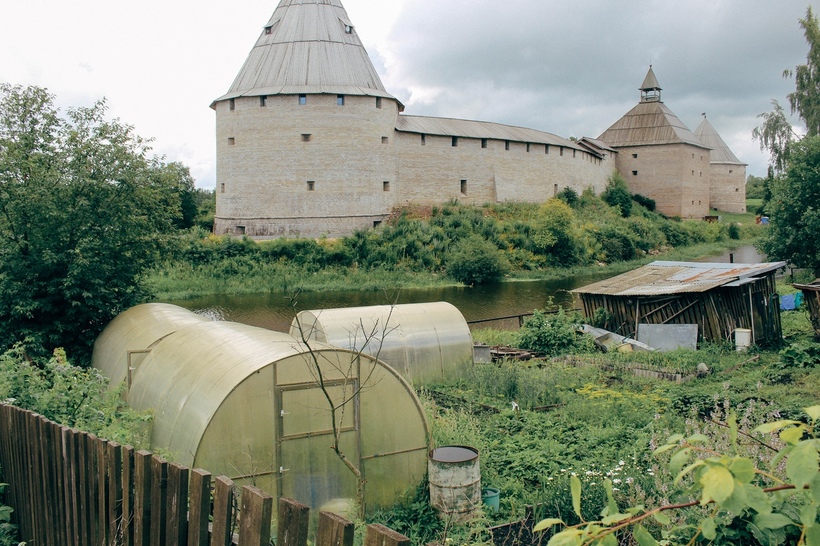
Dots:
pixel 475 261
pixel 554 334
pixel 617 194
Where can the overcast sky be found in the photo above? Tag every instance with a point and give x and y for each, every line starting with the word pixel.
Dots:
pixel 569 68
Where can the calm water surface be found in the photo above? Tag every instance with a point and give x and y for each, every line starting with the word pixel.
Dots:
pixel 275 311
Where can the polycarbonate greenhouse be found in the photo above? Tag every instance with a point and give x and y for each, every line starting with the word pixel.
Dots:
pixel 248 403
pixel 423 341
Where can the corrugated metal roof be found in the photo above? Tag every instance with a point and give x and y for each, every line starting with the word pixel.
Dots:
pixel 721 153
pixel 479 129
pixel 647 124
pixel 308 46
pixel 662 278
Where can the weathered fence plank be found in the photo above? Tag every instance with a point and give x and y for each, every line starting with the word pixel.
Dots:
pixel 334 530
pixel 103 494
pixel 159 500
pixel 127 496
pixel 292 525
pixel 114 463
pixel 222 531
pixel 142 498
pixel 199 505
pixel 379 535
pixel 257 508
pixel 177 527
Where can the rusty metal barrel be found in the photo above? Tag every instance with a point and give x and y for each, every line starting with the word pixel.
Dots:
pixel 455 482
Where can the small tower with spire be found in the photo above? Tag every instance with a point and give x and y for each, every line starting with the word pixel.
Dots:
pixel 659 157
pixel 650 88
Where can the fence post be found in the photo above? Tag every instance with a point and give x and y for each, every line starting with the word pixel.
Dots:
pixel 159 499
pixel 292 526
pixel 177 534
pixel 379 535
pixel 128 487
pixel 142 498
pixel 199 506
pixel 223 512
pixel 334 530
pixel 257 508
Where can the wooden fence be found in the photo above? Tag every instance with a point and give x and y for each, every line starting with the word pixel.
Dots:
pixel 71 488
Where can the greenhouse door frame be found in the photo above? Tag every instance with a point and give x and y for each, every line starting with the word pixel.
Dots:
pixel 280 392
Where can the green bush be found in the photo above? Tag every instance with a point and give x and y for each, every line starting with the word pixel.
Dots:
pixel 554 334
pixel 568 196
pixel 646 202
pixel 617 194
pixel 476 261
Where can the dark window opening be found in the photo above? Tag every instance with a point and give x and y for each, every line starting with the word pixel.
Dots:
pixel 635 156
pixel 311 185
pixel 240 230
pixel 483 142
pixel 528 147
pixel 464 187
pixel 306 137
pixel 554 190
pixel 385 140
pixel 231 141
pixel 268 30
pixel 547 149
pixel 386 185
pixel 561 151
pixel 222 188
pixel 634 173
pixel 263 100
pixel 340 100
pixel 378 102
pixel 302 99
pixel 730 171
pixel 232 104
pixel 454 142
pixel 377 223
pixel 348 29
pixel 423 140
pixel 506 144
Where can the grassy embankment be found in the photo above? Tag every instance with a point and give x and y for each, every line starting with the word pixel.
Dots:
pixel 413 251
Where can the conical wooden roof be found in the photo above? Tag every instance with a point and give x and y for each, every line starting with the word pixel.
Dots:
pixel 307 47
pixel 647 124
pixel 720 151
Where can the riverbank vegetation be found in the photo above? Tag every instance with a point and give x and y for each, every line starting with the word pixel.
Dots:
pixel 450 244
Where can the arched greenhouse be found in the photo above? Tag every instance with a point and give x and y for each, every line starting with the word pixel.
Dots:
pixel 249 403
pixel 423 341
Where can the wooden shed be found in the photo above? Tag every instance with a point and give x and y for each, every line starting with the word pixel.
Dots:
pixel 811 295
pixel 718 297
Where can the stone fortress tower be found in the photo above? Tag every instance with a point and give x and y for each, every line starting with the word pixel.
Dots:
pixel 727 174
pixel 309 142
pixel 659 157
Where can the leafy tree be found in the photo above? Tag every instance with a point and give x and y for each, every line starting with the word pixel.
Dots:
pixel 617 194
pixel 84 211
pixel 795 208
pixel 755 187
pixel 554 234
pixel 476 261
pixel 776 133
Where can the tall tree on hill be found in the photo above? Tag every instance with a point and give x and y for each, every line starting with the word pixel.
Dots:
pixel 795 198
pixel 84 210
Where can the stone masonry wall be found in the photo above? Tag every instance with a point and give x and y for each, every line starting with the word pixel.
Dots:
pixel 728 187
pixel 676 176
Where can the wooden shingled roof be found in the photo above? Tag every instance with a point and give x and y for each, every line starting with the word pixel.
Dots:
pixel 647 124
pixel 662 278
pixel 721 153
pixel 307 47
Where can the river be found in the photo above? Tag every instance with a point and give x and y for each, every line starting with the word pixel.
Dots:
pixel 275 311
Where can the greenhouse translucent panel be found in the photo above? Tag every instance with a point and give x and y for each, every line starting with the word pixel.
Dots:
pixel 313 474
pixel 301 368
pixel 307 410
pixel 388 478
